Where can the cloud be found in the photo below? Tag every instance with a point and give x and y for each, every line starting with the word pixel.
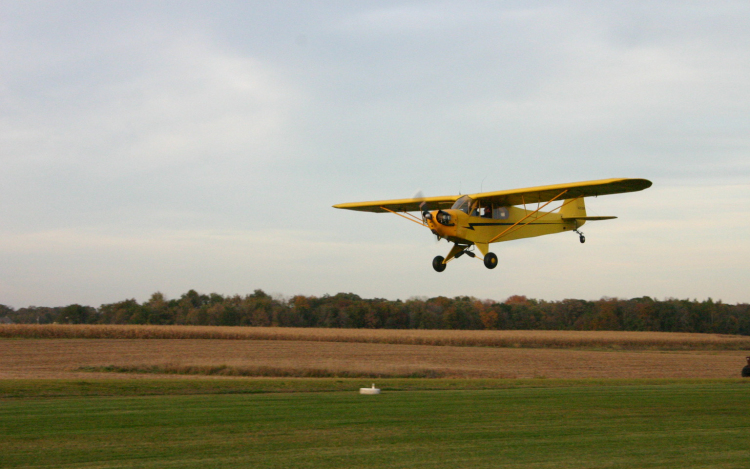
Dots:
pixel 577 91
pixel 204 145
pixel 110 265
pixel 407 18
pixel 182 100
pixel 182 118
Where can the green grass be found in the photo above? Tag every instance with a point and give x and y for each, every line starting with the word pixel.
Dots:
pixel 529 423
pixel 35 388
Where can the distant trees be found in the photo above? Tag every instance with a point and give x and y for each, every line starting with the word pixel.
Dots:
pixel 348 310
pixel 32 315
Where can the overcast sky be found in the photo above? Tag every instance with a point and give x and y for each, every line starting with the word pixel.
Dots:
pixel 163 146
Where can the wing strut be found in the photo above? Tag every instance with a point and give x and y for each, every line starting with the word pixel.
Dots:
pixel 410 217
pixel 527 216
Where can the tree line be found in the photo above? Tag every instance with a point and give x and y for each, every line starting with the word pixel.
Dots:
pixel 348 310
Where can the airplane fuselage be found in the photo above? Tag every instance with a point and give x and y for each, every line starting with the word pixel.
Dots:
pixel 462 228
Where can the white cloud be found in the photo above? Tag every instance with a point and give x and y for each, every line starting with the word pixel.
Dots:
pixel 408 18
pixel 185 101
pixel 181 124
pixel 105 266
pixel 204 145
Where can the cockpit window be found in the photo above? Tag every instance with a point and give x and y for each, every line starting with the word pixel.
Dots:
pixel 463 204
pixel 501 213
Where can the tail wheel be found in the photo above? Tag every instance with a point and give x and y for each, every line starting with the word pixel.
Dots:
pixel 490 260
pixel 583 239
pixel 437 264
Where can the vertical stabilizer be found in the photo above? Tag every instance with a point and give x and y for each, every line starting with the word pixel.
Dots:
pixel 573 208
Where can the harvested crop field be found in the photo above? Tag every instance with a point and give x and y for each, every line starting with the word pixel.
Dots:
pixel 68 358
pixel 616 340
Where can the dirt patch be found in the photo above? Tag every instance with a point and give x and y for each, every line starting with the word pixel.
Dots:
pixel 60 358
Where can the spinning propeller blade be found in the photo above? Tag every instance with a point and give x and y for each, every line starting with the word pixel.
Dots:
pixel 419 195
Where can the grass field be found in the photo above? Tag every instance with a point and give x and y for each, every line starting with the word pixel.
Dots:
pixel 549 424
pixel 44 388
pixel 150 397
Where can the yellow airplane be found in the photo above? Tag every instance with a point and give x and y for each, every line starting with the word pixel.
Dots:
pixel 491 217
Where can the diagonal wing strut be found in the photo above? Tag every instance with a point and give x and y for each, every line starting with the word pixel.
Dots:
pixel 527 216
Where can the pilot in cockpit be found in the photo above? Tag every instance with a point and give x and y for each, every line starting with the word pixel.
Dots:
pixel 484 212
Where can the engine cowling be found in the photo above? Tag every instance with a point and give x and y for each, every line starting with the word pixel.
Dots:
pixel 444 218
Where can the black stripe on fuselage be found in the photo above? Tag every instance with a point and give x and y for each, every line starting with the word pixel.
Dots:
pixel 472 225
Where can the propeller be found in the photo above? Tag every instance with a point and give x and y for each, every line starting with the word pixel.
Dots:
pixel 426 215
pixel 419 196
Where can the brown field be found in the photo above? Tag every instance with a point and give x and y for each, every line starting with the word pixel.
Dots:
pixel 611 340
pixel 65 358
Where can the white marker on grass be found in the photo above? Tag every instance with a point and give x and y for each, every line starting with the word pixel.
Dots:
pixel 372 390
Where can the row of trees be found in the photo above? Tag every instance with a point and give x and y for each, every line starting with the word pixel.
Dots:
pixel 347 310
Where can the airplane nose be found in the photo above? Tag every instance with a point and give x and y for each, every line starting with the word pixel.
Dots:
pixel 443 218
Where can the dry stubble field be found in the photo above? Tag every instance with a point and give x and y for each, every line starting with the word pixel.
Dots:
pixel 522 354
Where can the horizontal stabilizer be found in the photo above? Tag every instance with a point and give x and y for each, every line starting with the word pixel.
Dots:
pixel 590 218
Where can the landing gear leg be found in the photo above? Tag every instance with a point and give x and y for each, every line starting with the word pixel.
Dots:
pixel 439 263
pixel 581 237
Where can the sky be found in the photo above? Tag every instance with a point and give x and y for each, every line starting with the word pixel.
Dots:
pixel 176 145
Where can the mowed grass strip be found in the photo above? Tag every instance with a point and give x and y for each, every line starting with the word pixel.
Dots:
pixel 160 386
pixel 618 340
pixel 677 425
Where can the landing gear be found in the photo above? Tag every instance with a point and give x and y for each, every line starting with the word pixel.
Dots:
pixel 490 260
pixel 581 237
pixel 437 264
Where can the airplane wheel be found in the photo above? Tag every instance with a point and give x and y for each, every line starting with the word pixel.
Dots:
pixel 583 239
pixel 437 264
pixel 490 260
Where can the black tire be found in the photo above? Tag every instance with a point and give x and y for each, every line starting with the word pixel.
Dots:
pixel 437 264
pixel 583 239
pixel 490 260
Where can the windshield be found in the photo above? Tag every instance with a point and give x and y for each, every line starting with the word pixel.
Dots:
pixel 463 204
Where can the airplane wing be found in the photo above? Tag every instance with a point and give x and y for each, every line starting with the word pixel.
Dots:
pixel 507 198
pixel 573 190
pixel 402 205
